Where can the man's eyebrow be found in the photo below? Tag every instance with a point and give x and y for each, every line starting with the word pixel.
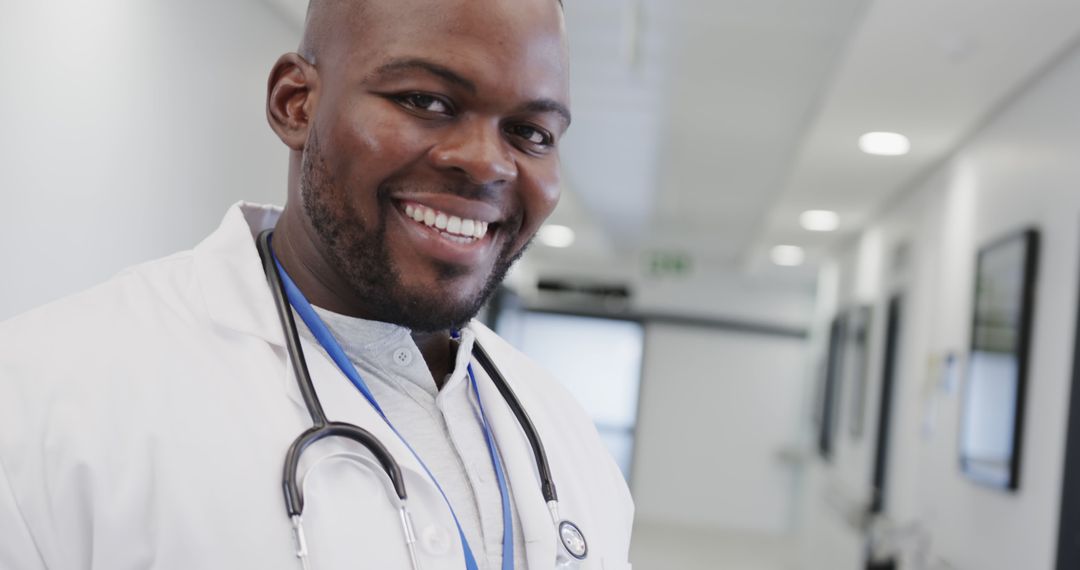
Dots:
pixel 548 106
pixel 416 64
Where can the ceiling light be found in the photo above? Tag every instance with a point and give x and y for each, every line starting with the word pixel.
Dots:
pixel 788 255
pixel 820 220
pixel 553 235
pixel 884 144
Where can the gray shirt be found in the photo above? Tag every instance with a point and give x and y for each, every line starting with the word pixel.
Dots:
pixel 443 426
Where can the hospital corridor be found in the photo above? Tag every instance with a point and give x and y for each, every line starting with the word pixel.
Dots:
pixel 804 285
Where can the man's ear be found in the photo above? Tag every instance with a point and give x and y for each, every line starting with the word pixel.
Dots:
pixel 290 99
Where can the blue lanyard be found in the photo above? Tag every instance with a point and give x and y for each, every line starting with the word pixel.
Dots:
pixel 325 338
pixel 508 528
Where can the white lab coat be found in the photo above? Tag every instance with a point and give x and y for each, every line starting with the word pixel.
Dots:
pixel 144 424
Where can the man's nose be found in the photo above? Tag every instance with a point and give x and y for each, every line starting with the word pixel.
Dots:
pixel 478 150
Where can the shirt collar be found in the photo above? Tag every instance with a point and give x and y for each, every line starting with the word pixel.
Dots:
pixel 376 344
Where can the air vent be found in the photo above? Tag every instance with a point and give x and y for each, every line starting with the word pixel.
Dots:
pixel 595 290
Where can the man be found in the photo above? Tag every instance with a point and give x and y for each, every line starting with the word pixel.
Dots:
pixel 144 423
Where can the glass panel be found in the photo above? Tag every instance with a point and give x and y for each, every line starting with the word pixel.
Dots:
pixel 621 445
pixel 598 360
pixel 994 395
pixel 991 415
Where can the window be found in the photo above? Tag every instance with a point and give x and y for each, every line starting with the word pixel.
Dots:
pixel 597 359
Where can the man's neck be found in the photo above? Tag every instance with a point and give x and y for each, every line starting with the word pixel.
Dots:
pixel 319 283
pixel 321 287
pixel 439 353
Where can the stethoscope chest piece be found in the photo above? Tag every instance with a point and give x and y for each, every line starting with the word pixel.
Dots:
pixel 573 540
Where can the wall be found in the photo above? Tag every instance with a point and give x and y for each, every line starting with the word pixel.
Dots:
pixel 129 127
pixel 1019 171
pixel 717 410
pixel 719 407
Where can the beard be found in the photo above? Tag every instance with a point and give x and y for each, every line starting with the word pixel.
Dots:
pixel 361 255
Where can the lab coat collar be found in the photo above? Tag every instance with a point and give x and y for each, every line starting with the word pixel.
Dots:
pixel 238 297
pixel 230 274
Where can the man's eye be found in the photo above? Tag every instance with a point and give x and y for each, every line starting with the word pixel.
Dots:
pixel 424 102
pixel 532 135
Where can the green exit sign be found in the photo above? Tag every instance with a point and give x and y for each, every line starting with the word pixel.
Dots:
pixel 666 263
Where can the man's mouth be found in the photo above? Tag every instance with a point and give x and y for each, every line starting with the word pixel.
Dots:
pixel 450 227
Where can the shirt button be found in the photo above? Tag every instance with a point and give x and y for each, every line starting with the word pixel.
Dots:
pixel 436 540
pixel 403 357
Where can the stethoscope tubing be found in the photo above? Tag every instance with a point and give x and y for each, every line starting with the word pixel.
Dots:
pixel 322 428
pixel 547 483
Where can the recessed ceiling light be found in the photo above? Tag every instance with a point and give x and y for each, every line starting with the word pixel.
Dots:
pixel 884 144
pixel 820 220
pixel 553 235
pixel 788 255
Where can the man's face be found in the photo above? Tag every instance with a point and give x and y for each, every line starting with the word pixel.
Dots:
pixel 432 158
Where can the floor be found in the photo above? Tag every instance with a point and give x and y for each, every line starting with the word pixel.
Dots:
pixel 663 547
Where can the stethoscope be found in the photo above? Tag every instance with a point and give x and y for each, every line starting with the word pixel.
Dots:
pixel 571 548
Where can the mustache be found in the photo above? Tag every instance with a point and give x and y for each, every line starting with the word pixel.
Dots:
pixel 477 192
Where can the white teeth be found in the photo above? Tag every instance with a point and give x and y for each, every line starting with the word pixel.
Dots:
pixel 453 228
pixel 454 225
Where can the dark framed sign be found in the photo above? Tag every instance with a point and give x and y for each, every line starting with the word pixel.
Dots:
pixel 830 389
pixel 1068 549
pixel 856 366
pixel 879 477
pixel 993 415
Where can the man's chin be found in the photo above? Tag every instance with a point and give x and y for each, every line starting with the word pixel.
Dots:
pixel 432 308
pixel 428 316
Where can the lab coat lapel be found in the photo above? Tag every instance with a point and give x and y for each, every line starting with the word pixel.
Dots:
pixel 237 296
pixel 229 273
pixel 514 448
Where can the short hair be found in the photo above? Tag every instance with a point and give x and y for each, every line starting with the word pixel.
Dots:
pixel 313 31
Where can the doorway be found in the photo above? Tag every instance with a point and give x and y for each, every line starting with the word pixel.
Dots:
pixel 1068 556
pixel 879 475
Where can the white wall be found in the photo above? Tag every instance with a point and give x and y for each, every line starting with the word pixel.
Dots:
pixel 1021 170
pixel 129 127
pixel 717 408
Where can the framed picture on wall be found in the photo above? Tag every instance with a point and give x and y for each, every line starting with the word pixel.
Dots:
pixel 856 367
pixel 831 388
pixel 993 403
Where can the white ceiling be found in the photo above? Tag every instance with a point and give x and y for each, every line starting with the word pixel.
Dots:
pixel 935 71
pixel 706 126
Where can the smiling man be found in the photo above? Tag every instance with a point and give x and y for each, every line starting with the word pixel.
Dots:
pixel 145 423
pixel 424 153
